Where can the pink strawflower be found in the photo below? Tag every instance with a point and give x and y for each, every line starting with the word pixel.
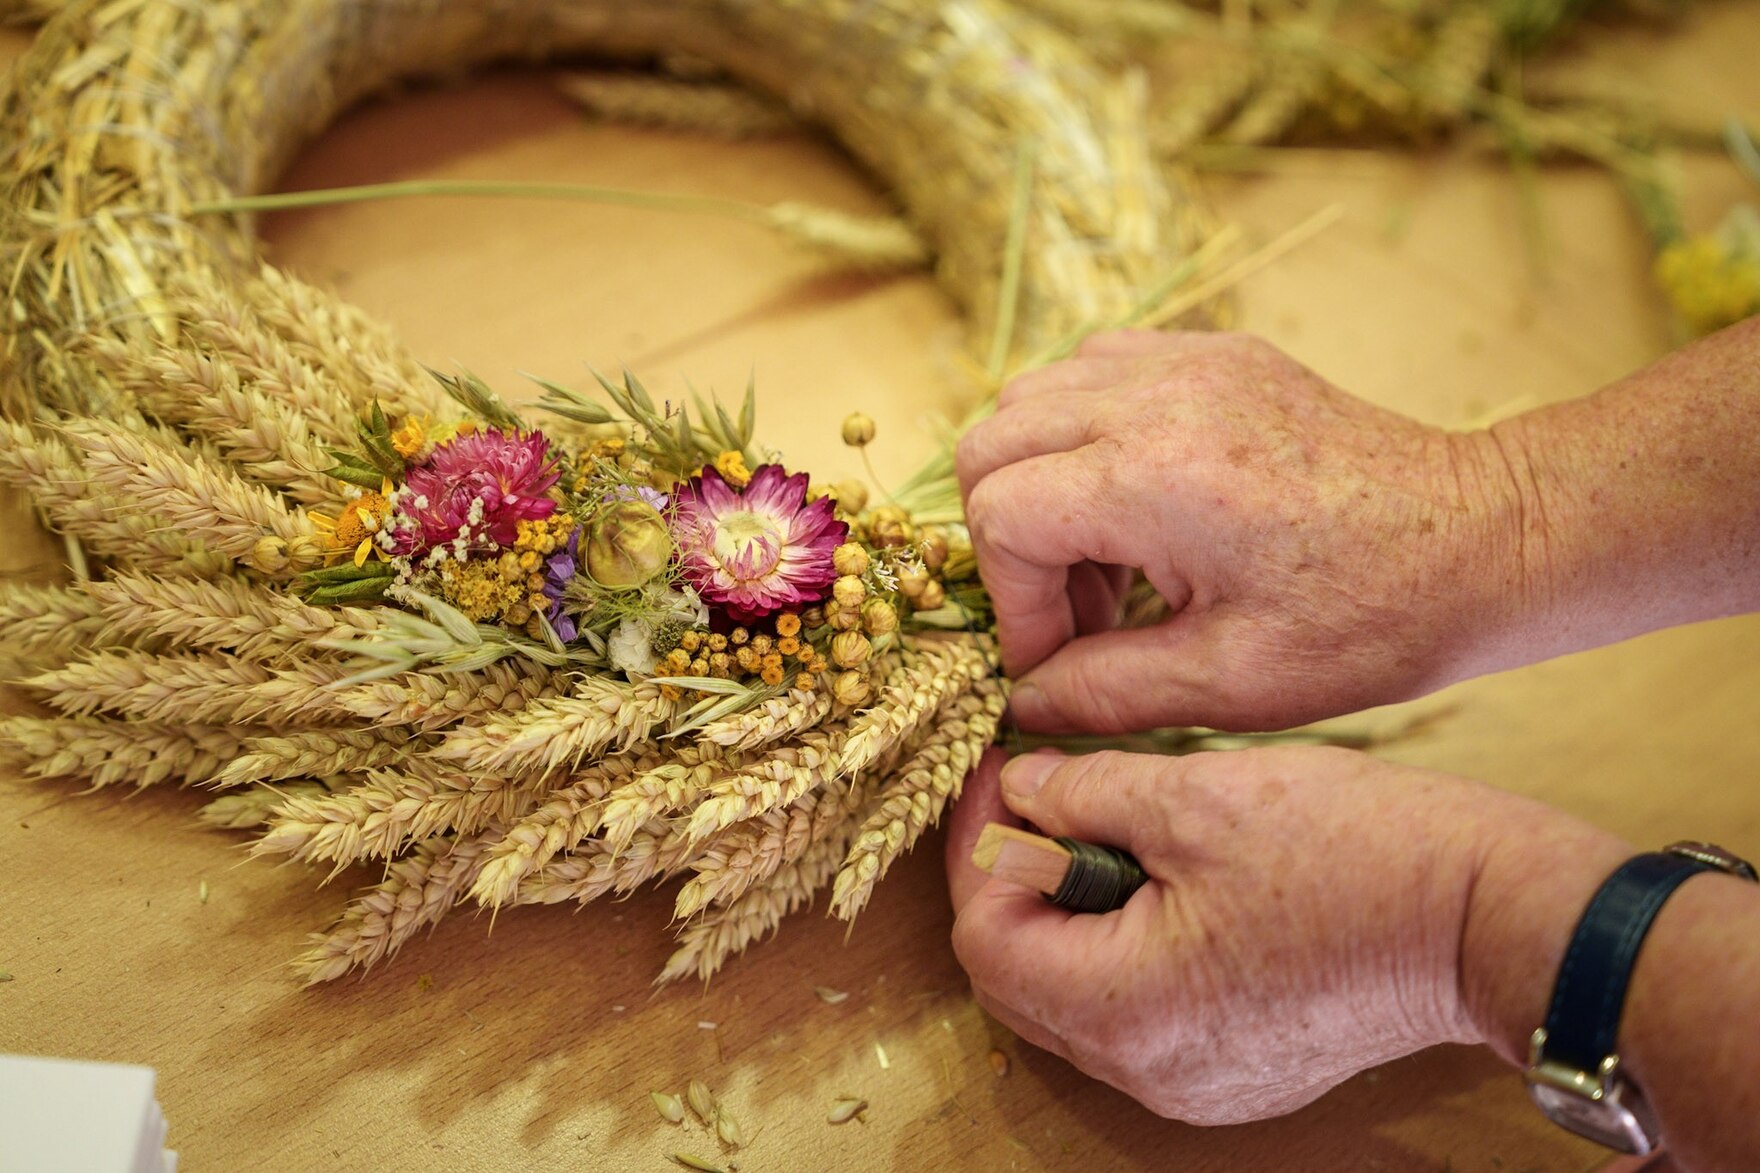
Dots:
pixel 756 551
pixel 473 491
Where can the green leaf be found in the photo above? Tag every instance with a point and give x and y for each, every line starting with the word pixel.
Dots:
pixel 348 572
pixel 748 411
pixel 351 459
pixel 365 590
pixel 366 478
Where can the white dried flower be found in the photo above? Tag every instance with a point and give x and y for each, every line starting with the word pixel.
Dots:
pixel 630 648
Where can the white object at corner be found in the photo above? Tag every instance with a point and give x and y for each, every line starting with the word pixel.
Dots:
pixel 61 1115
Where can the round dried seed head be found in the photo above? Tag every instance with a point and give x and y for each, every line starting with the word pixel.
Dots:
pixel 850 558
pixel 858 430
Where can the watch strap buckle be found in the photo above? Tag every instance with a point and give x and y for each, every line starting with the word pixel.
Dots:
pixel 1568 1077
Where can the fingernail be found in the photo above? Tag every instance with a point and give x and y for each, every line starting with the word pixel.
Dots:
pixel 1025 699
pixel 1024 775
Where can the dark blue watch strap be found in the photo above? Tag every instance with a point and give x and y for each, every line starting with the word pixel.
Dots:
pixel 1582 1024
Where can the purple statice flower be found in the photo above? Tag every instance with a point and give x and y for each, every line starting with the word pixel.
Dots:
pixel 558 569
pixel 642 493
pixel 756 551
pixel 473 491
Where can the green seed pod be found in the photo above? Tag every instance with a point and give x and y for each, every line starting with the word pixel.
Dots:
pixel 628 545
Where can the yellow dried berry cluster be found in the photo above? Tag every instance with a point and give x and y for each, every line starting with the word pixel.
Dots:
pixel 742 653
pixel 542 537
pixel 858 618
pixel 917 553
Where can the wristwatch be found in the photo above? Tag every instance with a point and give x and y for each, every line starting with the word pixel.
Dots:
pixel 1574 1073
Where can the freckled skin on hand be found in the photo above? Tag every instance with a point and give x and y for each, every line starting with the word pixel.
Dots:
pixel 1312 912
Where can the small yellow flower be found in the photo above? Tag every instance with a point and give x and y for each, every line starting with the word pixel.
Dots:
pixel 1711 286
pixel 732 467
pixel 477 589
pixel 411 436
pixel 356 527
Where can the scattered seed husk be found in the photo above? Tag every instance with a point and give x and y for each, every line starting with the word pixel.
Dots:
pixel 880 1054
pixel 846 1109
pixel 830 996
pixel 669 1106
pixel 202 891
pixel 690 1161
pixel 702 1101
pixel 728 1129
pixel 5 975
pixel 999 1063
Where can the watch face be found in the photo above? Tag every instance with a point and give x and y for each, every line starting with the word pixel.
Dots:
pixel 1605 1121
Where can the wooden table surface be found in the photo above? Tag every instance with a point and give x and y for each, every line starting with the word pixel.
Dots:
pixel 535 1045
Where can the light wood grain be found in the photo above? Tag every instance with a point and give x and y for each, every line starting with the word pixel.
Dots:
pixel 1021 857
pixel 534 1046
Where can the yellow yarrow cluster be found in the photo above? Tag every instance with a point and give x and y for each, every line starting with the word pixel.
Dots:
pixel 480 589
pixel 509 587
pixel 732 467
pixel 1709 286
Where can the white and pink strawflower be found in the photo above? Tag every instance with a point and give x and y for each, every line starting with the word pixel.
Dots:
pixel 755 551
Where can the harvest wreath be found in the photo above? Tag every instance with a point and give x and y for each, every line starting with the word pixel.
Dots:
pixel 397 621
pixel 511 662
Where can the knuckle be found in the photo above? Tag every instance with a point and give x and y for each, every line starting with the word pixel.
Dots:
pixel 1082 777
pixel 985 504
pixel 969 452
pixel 970 949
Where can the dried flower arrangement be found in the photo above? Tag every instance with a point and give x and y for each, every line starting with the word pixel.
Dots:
pixel 390 618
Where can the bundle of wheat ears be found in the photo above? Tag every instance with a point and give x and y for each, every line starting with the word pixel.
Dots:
pixel 389 619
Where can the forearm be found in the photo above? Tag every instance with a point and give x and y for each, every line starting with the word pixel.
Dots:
pixel 1693 1008
pixel 1635 508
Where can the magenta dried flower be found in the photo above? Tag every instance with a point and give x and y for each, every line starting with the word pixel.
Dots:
pixel 756 551
pixel 473 491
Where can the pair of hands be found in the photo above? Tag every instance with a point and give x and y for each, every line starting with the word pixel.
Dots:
pixel 1319 555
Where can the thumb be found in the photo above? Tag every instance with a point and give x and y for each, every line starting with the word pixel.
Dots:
pixel 1100 797
pixel 1120 682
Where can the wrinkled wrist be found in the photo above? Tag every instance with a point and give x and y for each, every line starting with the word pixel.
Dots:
pixel 1455 828
pixel 1533 881
pixel 1507 557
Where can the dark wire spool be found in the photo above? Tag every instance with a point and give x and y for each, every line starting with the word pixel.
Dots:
pixel 1100 879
